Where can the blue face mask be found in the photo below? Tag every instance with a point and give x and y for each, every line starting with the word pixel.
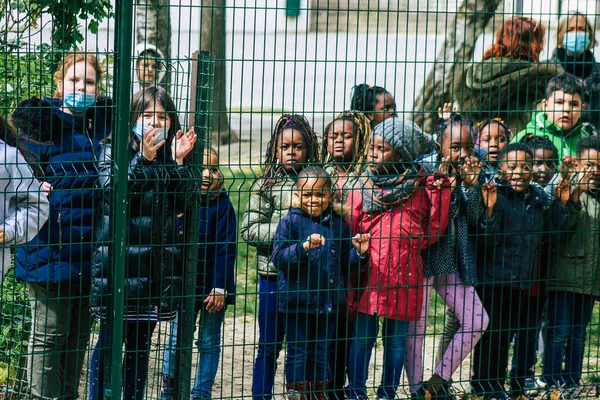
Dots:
pixel 79 102
pixel 576 43
pixel 140 128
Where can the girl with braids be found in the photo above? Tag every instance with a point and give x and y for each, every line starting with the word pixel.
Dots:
pixel 346 142
pixel 374 101
pixel 292 146
pixel 450 264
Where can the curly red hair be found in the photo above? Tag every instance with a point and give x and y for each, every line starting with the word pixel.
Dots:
pixel 519 38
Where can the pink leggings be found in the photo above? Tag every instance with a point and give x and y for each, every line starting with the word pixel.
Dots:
pixel 465 303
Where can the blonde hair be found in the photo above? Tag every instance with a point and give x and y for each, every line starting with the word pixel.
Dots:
pixel 564 23
pixel 71 59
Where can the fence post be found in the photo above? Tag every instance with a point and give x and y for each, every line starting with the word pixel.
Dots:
pixel 123 53
pixel 199 104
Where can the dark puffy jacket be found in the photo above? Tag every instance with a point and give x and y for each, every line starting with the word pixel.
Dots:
pixel 312 282
pixel 217 240
pixel 62 151
pixel 153 256
pixel 510 242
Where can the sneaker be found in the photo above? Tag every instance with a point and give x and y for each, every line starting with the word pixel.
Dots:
pixel 534 386
pixel 571 392
pixel 167 388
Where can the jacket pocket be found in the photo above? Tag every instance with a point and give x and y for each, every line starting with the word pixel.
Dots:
pixel 506 264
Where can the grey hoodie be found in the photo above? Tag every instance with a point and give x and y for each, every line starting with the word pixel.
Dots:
pixel 25 206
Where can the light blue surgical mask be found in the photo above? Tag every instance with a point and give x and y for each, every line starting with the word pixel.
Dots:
pixel 576 42
pixel 79 102
pixel 139 129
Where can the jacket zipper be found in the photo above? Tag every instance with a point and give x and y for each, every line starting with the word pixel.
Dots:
pixel 60 233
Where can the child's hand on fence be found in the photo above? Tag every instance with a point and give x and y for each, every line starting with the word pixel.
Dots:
pixel 3 236
pixel 361 242
pixel 563 191
pixel 183 145
pixel 313 241
pixel 149 145
pixel 46 188
pixel 489 192
pixel 570 165
pixel 445 166
pixel 446 112
pixel 215 301
pixel 470 170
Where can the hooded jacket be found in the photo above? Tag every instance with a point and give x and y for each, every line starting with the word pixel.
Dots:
pixel 565 143
pixel 63 152
pixel 502 87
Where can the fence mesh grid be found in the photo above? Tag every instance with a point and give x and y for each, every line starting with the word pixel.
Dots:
pixel 225 199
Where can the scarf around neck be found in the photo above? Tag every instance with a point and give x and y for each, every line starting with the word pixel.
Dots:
pixel 382 192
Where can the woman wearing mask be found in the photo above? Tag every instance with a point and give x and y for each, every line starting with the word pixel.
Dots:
pixel 576 39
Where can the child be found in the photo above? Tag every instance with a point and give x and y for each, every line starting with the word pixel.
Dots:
pixel 25 208
pixel 574 279
pixel 149 66
pixel 404 212
pixel 346 143
pixel 159 183
pixel 512 229
pixel 374 101
pixel 215 280
pixel 559 120
pixel 545 162
pixel 62 138
pixel 449 264
pixel 311 249
pixel 345 148
pixel 292 146
pixel 492 137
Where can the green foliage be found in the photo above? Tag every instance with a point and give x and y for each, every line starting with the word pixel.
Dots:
pixel 67 17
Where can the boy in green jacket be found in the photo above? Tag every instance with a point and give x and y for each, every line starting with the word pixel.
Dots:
pixel 559 119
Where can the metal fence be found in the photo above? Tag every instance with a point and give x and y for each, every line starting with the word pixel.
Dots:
pixel 256 199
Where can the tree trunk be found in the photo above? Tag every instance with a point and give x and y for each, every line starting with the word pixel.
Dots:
pixel 212 40
pixel 470 22
pixel 149 16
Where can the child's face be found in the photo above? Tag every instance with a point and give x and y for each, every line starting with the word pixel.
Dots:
pixel 290 150
pixel 155 116
pixel 147 70
pixel 80 77
pixel 382 157
pixel 516 170
pixel 211 174
pixel 457 143
pixel 564 109
pixel 385 107
pixel 493 139
pixel 591 158
pixel 340 141
pixel 544 166
pixel 314 195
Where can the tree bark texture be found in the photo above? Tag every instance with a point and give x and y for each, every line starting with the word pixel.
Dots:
pixel 213 36
pixel 462 33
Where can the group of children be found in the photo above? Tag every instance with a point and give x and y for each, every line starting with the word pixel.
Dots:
pixel 350 239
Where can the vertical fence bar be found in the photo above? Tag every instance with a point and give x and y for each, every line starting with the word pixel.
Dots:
pixel 123 54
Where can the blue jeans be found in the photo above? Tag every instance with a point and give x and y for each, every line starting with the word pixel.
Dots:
pixel 271 334
pixel 394 337
pixel 307 346
pixel 568 317
pixel 209 349
pixel 137 336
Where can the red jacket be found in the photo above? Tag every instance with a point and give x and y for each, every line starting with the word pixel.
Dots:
pixel 391 286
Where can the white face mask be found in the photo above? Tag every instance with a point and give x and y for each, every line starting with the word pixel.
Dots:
pixel 140 128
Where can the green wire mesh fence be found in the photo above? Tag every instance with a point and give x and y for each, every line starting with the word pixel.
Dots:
pixel 219 199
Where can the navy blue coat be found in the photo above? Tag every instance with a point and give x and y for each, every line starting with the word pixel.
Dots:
pixel 64 150
pixel 509 243
pixel 217 242
pixel 312 282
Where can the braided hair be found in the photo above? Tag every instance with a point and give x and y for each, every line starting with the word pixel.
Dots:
pixel 455 120
pixel 273 171
pixel 361 142
pixel 498 121
pixel 534 142
pixel 364 97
